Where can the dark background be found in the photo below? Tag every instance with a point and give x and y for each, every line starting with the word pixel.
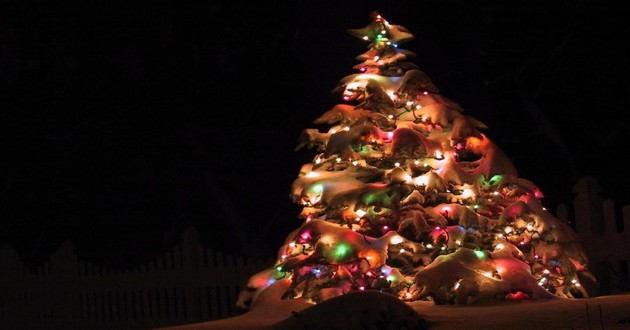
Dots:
pixel 125 123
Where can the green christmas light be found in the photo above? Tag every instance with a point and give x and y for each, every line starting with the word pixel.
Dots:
pixel 382 197
pixel 342 250
pixel 318 187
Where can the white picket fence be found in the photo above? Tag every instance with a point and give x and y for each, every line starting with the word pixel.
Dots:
pixel 190 284
pixel 607 241
pixel 193 284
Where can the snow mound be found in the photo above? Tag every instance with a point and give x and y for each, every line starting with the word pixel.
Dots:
pixel 357 310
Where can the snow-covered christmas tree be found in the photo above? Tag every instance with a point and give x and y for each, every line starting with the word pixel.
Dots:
pixel 407 195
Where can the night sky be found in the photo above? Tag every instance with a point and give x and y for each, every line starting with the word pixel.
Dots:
pixel 125 123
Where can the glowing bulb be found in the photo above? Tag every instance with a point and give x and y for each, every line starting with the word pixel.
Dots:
pixel 397 164
pixel 342 250
pixel 546 271
pixel 318 188
pixel 402 251
pixel 366 38
pixel 530 227
pixel 360 213
pixel 333 131
pixel 429 246
pixel 500 246
pixel 318 160
pixel 396 240
pixel 458 242
pixel 390 116
pixel 376 58
pixel 487 274
pixel 311 174
pixel 292 244
pixel 456 286
pixel 480 254
pixel 496 193
pixel 391 94
pixel 468 193
pixel 338 160
pixel 361 288
pixel 416 162
pixel 409 103
pixel 508 229
pixel 346 128
pixel 383 31
pixel 355 162
pixel 418 107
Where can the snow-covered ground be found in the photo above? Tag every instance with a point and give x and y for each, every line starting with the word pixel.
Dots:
pixel 373 310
